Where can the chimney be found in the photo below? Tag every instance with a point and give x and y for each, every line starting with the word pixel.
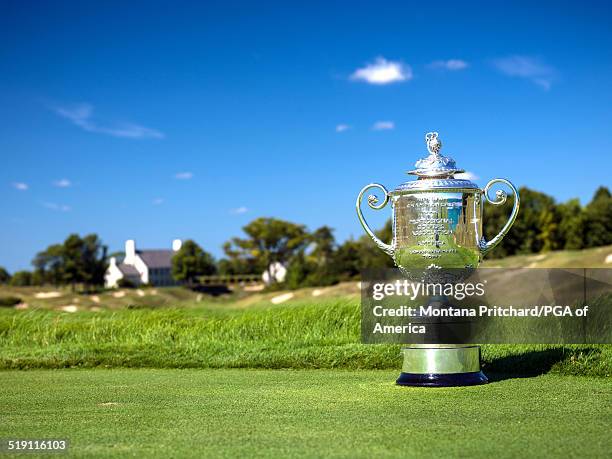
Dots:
pixel 130 252
pixel 176 245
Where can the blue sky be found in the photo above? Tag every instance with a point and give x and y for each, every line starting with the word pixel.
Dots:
pixel 157 120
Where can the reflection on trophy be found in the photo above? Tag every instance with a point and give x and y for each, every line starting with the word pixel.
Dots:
pixel 437 224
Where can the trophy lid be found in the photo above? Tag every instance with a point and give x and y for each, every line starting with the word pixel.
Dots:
pixel 436 164
pixel 436 171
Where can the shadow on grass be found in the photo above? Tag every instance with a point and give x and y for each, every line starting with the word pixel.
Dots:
pixel 535 363
pixel 212 289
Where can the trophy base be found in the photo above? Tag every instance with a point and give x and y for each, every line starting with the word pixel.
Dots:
pixel 441 365
pixel 442 380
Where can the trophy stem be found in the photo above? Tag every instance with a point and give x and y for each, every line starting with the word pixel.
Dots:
pixel 441 365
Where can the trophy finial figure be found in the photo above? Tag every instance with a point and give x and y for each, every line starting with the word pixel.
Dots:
pixel 434 144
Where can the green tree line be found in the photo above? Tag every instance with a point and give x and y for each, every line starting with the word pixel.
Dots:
pixel 315 258
pixel 544 225
pixel 78 261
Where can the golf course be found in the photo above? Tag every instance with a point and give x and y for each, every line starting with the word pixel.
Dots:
pixel 174 373
pixel 295 230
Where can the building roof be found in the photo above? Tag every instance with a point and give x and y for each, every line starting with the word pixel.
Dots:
pixel 128 270
pixel 156 258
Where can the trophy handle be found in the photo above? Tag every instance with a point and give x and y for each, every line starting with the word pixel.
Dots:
pixel 373 203
pixel 500 198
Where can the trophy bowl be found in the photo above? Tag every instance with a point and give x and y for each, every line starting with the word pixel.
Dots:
pixel 437 225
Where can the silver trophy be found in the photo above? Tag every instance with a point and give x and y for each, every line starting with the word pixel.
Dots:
pixel 437 224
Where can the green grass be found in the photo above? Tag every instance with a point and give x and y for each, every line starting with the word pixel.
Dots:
pixel 262 413
pixel 302 335
pixel 192 377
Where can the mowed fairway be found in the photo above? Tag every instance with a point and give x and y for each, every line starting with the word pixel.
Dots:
pixel 304 413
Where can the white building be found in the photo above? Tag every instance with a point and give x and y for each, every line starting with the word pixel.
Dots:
pixel 142 266
pixel 276 272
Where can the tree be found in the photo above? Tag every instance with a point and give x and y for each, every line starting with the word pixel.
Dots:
pixel 238 262
pixel 324 245
pixel 571 226
pixel 370 255
pixel 269 240
pixel 297 271
pixel 84 260
pixel 353 256
pixel 72 260
pixel 191 262
pixel 37 278
pixel 347 259
pixel 94 260
pixel 48 265
pixel 5 277
pixel 598 219
pixel 76 261
pixel 535 229
pixel 313 265
pixel 548 223
pixel 21 279
pixel 321 256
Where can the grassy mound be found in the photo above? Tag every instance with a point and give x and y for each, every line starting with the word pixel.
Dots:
pixel 301 335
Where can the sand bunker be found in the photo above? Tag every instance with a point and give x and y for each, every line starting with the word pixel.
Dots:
pixel 282 298
pixel 47 295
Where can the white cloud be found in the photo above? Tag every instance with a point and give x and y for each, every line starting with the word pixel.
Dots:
pixel 383 126
pixel 544 83
pixel 526 67
pixel 450 64
pixel 81 115
pixel 158 201
pixel 467 175
pixel 382 71
pixel 62 183
pixel 239 211
pixel 183 175
pixel 57 207
pixel 20 186
pixel 342 127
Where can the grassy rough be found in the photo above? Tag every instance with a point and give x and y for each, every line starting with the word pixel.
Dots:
pixel 260 413
pixel 301 335
pixel 587 258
